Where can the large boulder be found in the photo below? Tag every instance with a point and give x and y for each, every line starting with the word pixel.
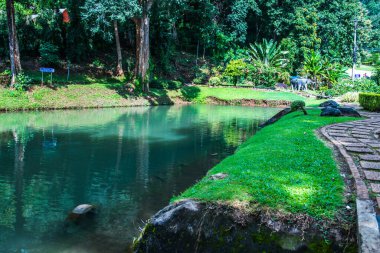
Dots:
pixel 349 111
pixel 331 112
pixel 192 226
pixel 329 103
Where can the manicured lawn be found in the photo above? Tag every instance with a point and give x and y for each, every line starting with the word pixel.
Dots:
pixel 200 94
pixel 365 68
pixel 283 167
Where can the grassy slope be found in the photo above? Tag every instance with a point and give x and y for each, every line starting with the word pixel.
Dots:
pixel 200 94
pixel 284 167
pixel 108 95
pixel 72 96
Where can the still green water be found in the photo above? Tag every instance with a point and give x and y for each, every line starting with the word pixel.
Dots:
pixel 128 162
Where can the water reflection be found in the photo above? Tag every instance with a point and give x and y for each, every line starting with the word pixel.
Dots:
pixel 129 162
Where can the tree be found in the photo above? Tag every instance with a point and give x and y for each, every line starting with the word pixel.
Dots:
pixel 143 42
pixel 268 53
pixel 235 70
pixel 102 16
pixel 14 50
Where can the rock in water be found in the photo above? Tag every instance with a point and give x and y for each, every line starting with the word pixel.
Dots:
pixel 329 103
pixel 81 213
pixel 83 209
pixel 330 111
pixel 349 111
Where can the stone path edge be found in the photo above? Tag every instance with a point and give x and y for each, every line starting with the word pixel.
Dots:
pixel 368 230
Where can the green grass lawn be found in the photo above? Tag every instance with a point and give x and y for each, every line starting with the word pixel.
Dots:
pixel 112 94
pixel 200 94
pixel 365 68
pixel 71 96
pixel 283 167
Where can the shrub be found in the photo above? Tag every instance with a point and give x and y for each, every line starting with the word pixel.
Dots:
pixel 159 84
pixel 370 101
pixel 49 54
pixel 264 76
pixel 174 85
pixel 350 97
pixel 298 105
pixel 23 82
pixel 215 81
pixel 376 77
pixel 362 85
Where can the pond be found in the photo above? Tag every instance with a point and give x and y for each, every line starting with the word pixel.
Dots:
pixel 128 162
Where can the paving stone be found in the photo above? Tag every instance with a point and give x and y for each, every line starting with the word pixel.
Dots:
pixel 370 165
pixel 361 132
pixel 375 188
pixel 361 136
pixel 359 150
pixel 375 158
pixel 371 141
pixel 340 134
pixel 374 145
pixel 354 144
pixel 372 175
pixel 341 139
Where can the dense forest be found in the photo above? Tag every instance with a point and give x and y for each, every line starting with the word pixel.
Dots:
pixel 150 38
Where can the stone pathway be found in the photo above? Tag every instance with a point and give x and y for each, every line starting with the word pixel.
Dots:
pixel 359 143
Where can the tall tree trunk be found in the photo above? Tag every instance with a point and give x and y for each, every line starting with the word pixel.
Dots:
pixel 119 68
pixel 142 43
pixel 13 42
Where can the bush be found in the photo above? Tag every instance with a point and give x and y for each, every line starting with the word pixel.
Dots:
pixel 370 101
pixel 163 84
pixel 23 82
pixel 376 77
pixel 350 97
pixel 298 105
pixel 49 54
pixel 215 81
pixel 175 85
pixel 362 85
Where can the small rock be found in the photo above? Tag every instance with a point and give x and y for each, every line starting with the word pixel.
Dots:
pixel 348 208
pixel 330 111
pixel 329 103
pixel 218 176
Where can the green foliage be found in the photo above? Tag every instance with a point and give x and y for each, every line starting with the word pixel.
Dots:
pixel 347 85
pixel 376 76
pixel 23 82
pixel 264 76
pixel 313 65
pixel 165 84
pixel 49 54
pixel 332 73
pixel 269 54
pixel 370 101
pixel 235 70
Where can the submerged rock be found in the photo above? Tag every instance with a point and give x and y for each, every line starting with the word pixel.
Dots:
pixel 80 213
pixel 329 103
pixel 191 226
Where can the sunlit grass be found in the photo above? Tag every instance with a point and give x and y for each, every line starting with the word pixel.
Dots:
pixel 284 167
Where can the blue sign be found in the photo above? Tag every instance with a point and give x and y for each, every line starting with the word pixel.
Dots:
pixel 47 70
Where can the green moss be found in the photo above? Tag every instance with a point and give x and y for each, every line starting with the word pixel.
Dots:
pixel 284 167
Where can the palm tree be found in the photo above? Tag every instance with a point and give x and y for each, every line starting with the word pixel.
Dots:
pixel 313 67
pixel 269 54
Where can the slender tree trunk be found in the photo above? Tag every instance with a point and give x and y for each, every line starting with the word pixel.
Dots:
pixel 13 42
pixel 119 68
pixel 142 43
